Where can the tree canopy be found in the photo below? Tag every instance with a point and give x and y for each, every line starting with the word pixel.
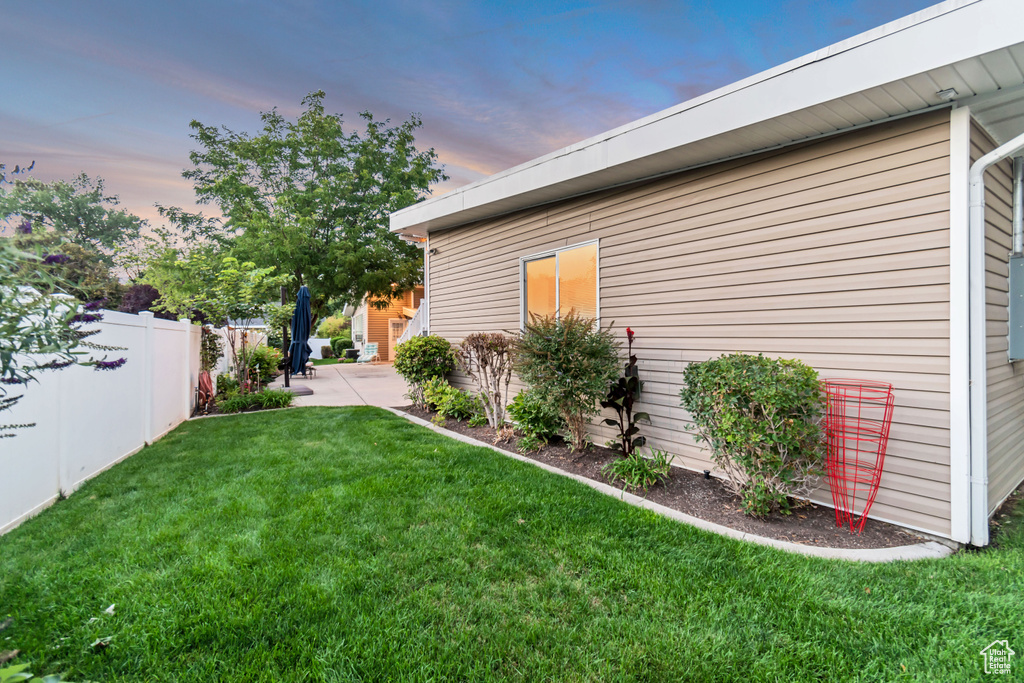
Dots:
pixel 79 211
pixel 79 271
pixel 314 200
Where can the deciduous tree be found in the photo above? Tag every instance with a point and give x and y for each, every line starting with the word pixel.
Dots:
pixel 313 199
pixel 80 211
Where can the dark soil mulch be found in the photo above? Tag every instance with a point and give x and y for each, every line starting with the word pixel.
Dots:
pixel 709 499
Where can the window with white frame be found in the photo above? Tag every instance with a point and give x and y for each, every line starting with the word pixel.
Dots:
pixel 558 281
pixel 357 328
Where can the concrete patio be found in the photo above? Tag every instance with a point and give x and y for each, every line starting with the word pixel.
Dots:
pixel 351 385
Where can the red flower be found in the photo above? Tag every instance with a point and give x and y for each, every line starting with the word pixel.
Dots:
pixel 629 335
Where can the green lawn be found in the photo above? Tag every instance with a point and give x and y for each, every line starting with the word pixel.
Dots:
pixel 336 544
pixel 326 361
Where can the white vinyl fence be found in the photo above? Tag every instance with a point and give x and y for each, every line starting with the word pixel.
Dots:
pixel 88 420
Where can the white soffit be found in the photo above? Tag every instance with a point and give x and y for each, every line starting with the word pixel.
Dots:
pixel 973 46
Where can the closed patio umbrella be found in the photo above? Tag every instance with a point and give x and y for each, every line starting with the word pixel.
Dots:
pixel 302 320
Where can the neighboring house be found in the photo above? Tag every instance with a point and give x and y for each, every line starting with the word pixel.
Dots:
pixel 385 326
pixel 816 211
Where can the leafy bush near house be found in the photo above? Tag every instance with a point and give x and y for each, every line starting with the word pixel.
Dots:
pixel 268 398
pixel 449 401
pixel 274 398
pixel 326 351
pixel 637 472
pixel 570 363
pixel 535 418
pixel 334 326
pixel 263 363
pixel 760 416
pixel 488 357
pixel 226 383
pixel 339 345
pixel 420 359
pixel 233 402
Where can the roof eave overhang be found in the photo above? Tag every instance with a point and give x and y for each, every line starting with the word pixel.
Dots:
pixel 723 123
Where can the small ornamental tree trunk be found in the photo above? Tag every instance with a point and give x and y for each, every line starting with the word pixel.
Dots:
pixel 487 358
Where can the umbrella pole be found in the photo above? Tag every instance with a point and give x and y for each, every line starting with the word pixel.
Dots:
pixel 284 337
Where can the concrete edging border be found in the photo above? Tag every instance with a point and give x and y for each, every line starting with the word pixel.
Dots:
pixel 919 551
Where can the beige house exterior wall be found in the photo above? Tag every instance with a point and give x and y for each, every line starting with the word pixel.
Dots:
pixel 835 252
pixel 1005 379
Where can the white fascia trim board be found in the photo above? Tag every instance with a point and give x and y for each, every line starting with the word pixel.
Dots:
pixel 959 320
pixel 929 39
pixel 979 379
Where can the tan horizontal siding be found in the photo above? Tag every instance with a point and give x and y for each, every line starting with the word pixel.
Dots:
pixel 834 252
pixel 1005 379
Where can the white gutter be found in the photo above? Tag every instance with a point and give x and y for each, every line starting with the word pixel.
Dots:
pixel 979 388
pixel 1018 206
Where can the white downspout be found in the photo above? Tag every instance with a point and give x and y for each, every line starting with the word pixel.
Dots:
pixel 979 388
pixel 426 286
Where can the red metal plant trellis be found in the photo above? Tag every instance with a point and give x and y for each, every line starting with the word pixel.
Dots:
pixel 857 420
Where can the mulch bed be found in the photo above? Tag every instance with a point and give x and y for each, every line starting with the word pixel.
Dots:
pixel 709 499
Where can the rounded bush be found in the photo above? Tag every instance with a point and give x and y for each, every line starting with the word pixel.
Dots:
pixel 534 416
pixel 264 362
pixel 760 416
pixel 423 358
pixel 339 345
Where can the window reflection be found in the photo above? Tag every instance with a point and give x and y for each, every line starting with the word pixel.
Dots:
pixel 577 281
pixel 567 281
pixel 540 287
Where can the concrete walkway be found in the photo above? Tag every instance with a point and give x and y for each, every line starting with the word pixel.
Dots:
pixel 351 384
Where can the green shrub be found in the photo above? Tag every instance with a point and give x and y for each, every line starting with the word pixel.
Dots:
pixel 235 403
pixel 535 417
pixel 637 472
pixel 570 364
pixel 263 363
pixel 760 416
pixel 268 398
pixel 339 345
pixel 449 401
pixel 226 383
pixel 334 326
pixel 326 351
pixel 422 358
pixel 274 398
pixel 433 391
pixel 528 443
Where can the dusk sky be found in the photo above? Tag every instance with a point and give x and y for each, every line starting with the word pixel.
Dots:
pixel 109 87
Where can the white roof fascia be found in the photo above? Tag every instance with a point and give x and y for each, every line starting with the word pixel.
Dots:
pixel 932 38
